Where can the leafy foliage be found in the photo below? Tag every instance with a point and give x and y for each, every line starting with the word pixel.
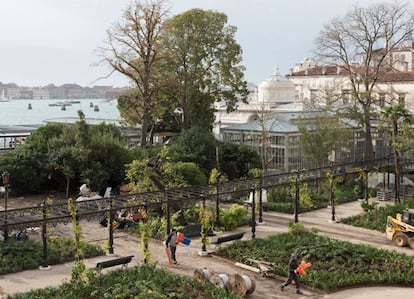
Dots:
pixel 203 64
pixel 237 159
pixel 375 216
pixel 335 264
pixel 322 135
pixel 195 145
pixel 233 217
pixel 139 282
pixel 55 155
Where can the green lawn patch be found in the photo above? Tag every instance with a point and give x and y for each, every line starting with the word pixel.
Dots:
pixel 375 216
pixel 335 264
pixel 16 256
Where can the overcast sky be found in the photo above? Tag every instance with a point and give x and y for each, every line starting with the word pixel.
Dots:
pixel 55 41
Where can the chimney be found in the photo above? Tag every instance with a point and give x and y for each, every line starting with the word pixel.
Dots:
pixel 338 70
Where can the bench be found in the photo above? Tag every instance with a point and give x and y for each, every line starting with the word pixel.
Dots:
pixel 227 238
pixel 192 230
pixel 114 262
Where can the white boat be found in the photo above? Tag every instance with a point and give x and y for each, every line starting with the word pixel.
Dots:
pixel 56 104
pixel 3 98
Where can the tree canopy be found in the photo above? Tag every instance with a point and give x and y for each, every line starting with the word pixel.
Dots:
pixel 133 49
pixel 61 157
pixel 204 63
pixel 179 66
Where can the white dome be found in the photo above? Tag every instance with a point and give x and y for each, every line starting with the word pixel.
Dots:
pixel 276 89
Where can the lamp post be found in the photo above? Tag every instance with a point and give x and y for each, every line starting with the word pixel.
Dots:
pixel 252 191
pixel 168 212
pixel 332 194
pixel 110 219
pixel 44 207
pixel 203 227
pixel 217 205
pixel 296 212
pixel 217 147
pixel 366 193
pixel 6 180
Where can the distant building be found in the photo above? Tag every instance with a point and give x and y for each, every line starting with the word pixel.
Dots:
pixel 265 98
pixel 41 93
pixel 65 91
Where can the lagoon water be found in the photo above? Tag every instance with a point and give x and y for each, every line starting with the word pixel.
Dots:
pixel 17 112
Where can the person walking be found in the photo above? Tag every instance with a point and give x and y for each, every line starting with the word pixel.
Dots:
pixel 292 275
pixel 171 244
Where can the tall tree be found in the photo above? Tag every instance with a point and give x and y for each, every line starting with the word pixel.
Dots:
pixel 321 136
pixel 204 65
pixel 392 116
pixel 132 48
pixel 353 42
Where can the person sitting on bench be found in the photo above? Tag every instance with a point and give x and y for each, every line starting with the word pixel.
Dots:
pixel 123 219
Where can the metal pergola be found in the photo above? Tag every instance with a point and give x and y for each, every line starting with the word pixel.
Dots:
pixel 51 214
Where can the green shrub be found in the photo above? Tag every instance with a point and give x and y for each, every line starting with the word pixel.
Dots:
pixel 279 195
pixel 138 282
pixel 157 227
pixel 233 217
pixel 376 217
pixel 16 256
pixel 296 228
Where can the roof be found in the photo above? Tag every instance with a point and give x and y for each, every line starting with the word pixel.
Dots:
pixel 280 122
pixel 334 70
pixel 89 121
pixel 17 130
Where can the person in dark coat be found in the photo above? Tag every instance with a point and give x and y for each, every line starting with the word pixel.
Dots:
pixel 292 275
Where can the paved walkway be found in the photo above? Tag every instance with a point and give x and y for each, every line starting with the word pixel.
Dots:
pixel 125 244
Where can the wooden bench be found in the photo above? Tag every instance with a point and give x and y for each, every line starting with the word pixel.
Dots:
pixel 227 238
pixel 124 261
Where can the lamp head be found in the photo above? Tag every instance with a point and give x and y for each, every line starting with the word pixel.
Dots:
pixel 6 178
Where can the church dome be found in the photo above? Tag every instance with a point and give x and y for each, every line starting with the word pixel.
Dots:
pixel 276 89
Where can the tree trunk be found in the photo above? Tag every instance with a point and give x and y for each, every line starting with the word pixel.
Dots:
pixel 396 161
pixel 144 124
pixel 369 149
pixel 67 186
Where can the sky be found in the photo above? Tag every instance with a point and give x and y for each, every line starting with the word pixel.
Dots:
pixel 55 41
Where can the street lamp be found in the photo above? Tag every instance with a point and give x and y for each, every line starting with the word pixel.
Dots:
pixel 332 195
pixel 252 194
pixel 296 211
pixel 203 227
pixel 6 180
pixel 217 147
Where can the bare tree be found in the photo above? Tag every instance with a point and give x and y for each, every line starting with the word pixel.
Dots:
pixel 267 122
pixel 361 43
pixel 133 49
